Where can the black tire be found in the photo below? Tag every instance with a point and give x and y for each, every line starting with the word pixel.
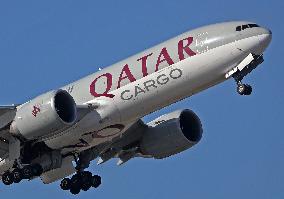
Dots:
pixel 86 180
pixel 75 190
pixel 241 89
pixel 7 178
pixel 248 89
pixel 76 179
pixel 76 182
pixel 27 172
pixel 96 181
pixel 17 175
pixel 86 186
pixel 65 184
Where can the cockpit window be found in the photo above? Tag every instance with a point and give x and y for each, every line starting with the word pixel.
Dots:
pixel 253 25
pixel 245 26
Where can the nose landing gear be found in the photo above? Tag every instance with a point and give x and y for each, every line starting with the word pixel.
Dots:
pixel 243 69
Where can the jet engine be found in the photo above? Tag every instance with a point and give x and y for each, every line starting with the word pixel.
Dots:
pixel 45 115
pixel 171 134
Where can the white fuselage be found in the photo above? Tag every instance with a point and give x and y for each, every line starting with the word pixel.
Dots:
pixel 149 81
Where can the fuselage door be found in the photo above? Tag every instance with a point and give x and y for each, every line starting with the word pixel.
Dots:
pixel 201 42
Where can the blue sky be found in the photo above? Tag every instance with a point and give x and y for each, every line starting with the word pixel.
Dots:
pixel 46 44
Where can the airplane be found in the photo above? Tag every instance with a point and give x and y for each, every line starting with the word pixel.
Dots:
pixel 59 133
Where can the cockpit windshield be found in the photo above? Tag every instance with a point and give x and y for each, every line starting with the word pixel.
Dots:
pixel 245 26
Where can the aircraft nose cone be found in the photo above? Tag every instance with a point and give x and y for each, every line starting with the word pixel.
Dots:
pixel 265 38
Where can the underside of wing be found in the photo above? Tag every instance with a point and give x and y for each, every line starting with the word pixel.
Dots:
pixel 165 136
pixel 7 114
pixel 127 147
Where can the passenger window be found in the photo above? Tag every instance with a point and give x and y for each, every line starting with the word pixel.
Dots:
pixel 238 28
pixel 244 27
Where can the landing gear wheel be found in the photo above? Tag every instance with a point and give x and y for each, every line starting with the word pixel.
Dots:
pixel 17 175
pixel 248 89
pixel 244 89
pixel 65 184
pixel 96 181
pixel 75 185
pixel 86 180
pixel 75 190
pixel 82 180
pixel 27 172
pixel 7 178
pixel 241 89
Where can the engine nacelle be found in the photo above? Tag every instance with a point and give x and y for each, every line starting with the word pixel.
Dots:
pixel 171 134
pixel 45 115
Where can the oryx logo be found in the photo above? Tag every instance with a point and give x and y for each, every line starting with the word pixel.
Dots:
pixel 35 111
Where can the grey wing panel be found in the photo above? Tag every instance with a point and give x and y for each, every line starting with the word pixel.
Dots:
pixel 4 143
pixel 126 147
pixel 7 114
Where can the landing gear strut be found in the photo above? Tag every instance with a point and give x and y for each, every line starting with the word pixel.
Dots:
pixel 82 180
pixel 242 70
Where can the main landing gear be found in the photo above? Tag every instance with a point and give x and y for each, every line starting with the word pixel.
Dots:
pixel 82 180
pixel 18 174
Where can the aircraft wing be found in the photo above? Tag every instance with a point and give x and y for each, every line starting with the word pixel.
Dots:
pixel 8 113
pixel 126 147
